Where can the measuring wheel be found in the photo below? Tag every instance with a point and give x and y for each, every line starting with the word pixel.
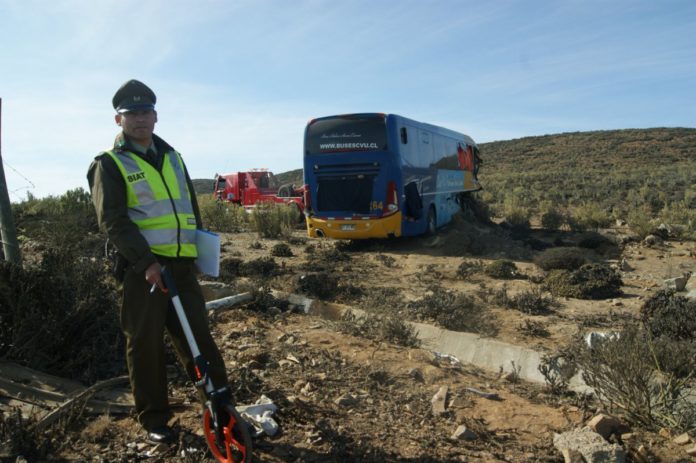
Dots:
pixel 232 443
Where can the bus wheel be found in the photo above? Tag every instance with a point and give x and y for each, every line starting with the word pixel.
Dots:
pixel 432 221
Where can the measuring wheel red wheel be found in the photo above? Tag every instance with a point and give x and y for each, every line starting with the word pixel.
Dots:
pixel 234 445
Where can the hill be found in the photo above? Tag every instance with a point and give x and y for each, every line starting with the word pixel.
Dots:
pixel 585 164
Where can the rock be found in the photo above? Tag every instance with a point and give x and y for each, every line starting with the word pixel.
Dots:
pixel 464 433
pixel 639 455
pixel 572 456
pixel 416 374
pixel 652 240
pixel 590 445
pixel 215 290
pixel 678 283
pixel 682 439
pixel 691 451
pixel 623 265
pixel 606 425
pixel 346 400
pixel 438 401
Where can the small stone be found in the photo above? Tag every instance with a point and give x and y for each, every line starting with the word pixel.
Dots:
pixel 346 400
pixel 416 374
pixel 438 401
pixel 691 451
pixel 682 439
pixel 606 425
pixel 464 433
pixel 572 456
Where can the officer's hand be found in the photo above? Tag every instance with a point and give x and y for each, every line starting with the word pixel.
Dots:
pixel 153 275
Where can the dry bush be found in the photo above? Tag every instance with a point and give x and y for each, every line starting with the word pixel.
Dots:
pixel 532 301
pixel 502 268
pixel 321 285
pixel 229 268
pixel 380 327
pixel 534 329
pixel 591 281
pixel 670 321
pixel 382 299
pixel 281 250
pixel 61 317
pixel 263 267
pixel 626 378
pixel 467 269
pixel 565 258
pixel 453 311
pixel 19 437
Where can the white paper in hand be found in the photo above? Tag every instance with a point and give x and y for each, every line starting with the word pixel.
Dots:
pixel 208 245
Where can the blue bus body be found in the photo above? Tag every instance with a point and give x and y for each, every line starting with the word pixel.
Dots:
pixel 376 175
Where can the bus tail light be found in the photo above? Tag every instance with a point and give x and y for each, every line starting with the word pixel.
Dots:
pixel 392 203
pixel 307 198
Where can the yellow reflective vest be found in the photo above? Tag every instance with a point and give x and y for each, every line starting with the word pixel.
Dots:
pixel 159 203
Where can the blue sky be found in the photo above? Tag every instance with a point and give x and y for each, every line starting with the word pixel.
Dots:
pixel 237 80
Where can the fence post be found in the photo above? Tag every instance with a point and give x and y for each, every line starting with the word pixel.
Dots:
pixel 8 233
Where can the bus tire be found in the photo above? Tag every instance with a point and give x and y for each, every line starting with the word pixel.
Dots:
pixel 432 221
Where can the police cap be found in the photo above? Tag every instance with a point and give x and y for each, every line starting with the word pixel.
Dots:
pixel 132 96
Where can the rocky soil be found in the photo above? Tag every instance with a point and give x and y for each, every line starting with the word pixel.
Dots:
pixel 342 397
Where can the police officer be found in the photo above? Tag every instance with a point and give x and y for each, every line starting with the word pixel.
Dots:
pixel 146 203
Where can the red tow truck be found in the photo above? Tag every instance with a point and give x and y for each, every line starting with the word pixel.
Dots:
pixel 257 185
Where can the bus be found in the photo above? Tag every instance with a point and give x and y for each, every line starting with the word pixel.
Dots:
pixel 375 175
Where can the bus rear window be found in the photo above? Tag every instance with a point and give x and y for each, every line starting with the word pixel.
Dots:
pixel 342 134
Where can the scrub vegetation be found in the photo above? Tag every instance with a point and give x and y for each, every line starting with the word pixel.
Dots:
pixel 564 211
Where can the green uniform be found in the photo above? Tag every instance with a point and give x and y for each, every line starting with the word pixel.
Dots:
pixel 144 315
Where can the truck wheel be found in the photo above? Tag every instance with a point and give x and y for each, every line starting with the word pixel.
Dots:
pixel 432 221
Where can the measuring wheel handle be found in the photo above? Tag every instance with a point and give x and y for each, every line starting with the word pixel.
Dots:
pixel 226 432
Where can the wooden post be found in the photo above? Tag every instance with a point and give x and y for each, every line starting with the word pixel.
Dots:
pixel 10 245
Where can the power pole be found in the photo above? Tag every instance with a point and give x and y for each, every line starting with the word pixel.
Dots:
pixel 10 245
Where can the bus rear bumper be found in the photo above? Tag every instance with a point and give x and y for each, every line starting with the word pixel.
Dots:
pixel 386 227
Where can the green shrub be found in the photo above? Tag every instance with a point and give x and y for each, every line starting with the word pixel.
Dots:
pixel 591 215
pixel 516 214
pixel 272 220
pixel 562 258
pixel 640 222
pixel 502 269
pixel 222 217
pixel 683 215
pixel 551 217
pixel 68 221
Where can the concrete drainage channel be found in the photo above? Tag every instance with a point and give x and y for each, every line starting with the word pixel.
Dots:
pixel 469 348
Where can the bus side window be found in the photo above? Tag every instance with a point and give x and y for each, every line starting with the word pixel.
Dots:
pixel 404 135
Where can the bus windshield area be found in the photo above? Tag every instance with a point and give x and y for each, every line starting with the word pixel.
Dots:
pixel 345 134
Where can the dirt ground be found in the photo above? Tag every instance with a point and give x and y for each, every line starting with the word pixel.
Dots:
pixel 304 363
